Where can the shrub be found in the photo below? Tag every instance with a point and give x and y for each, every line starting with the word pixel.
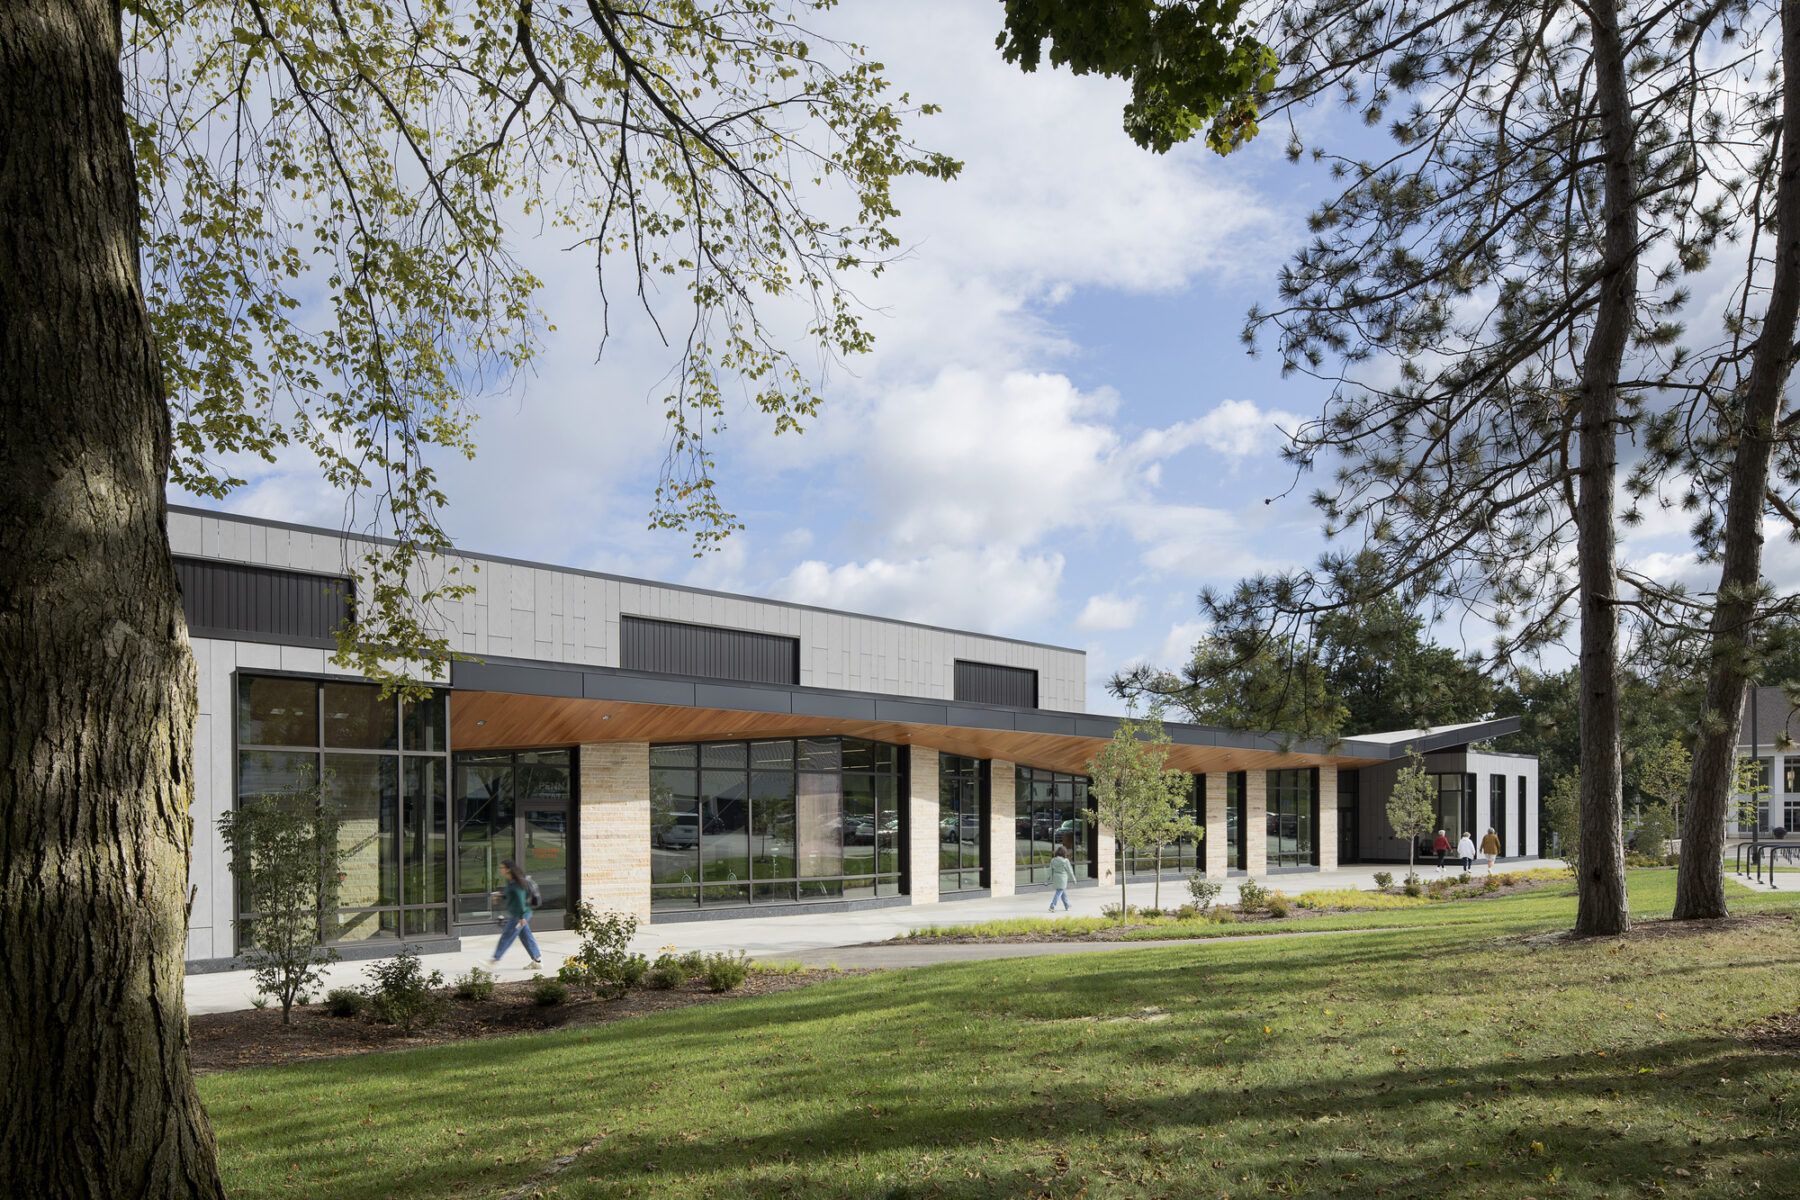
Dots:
pixel 1412 886
pixel 1490 884
pixel 1251 896
pixel 1151 914
pixel 1465 877
pixel 402 992
pixel 345 1002
pixel 1187 912
pixel 1671 859
pixel 1204 890
pixel 1384 880
pixel 726 971
pixel 668 972
pixel 1111 912
pixel 1655 828
pixel 545 992
pixel 478 984
pixel 1277 904
pixel 1222 916
pixel 604 962
pixel 1507 878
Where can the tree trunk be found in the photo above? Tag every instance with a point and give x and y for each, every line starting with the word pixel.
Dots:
pixel 1700 879
pixel 1602 907
pixel 97 706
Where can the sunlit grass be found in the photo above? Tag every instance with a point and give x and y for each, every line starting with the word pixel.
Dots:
pixel 1442 1060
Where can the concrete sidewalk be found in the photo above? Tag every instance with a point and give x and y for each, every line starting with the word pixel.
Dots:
pixel 810 937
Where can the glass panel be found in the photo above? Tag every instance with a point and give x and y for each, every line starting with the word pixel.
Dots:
pixel 420 921
pixel 365 788
pixel 678 897
pixel 484 829
pixel 887 823
pixel 278 712
pixel 356 717
pixel 819 824
pixel 544 777
pixel 774 891
pixel 366 926
pixel 821 889
pixel 859 889
pixel 545 852
pixel 772 755
pixel 772 826
pixel 423 832
pixel 274 772
pixel 1022 824
pixel 674 827
pixel 674 756
pixel 721 896
pixel 722 756
pixel 724 825
pixel 858 755
pixel 819 754
pixel 887 758
pixel 424 723
pixel 859 825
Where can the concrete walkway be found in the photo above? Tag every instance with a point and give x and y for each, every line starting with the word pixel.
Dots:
pixel 814 937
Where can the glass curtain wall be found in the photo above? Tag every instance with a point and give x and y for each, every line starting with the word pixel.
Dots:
pixel 962 840
pixel 1237 825
pixel 1179 858
pixel 773 822
pixel 1290 821
pixel 1050 809
pixel 385 765
pixel 517 805
pixel 1496 810
pixel 1453 800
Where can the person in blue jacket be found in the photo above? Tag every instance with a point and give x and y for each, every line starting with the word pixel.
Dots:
pixel 518 913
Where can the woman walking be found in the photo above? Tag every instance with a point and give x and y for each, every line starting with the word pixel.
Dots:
pixel 1440 847
pixel 517 923
pixel 1062 875
pixel 1490 846
pixel 1465 850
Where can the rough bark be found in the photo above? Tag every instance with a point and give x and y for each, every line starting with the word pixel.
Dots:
pixel 1700 881
pixel 1602 907
pixel 97 710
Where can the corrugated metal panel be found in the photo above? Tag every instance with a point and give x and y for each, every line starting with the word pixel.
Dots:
pixel 238 600
pixel 671 648
pixel 987 683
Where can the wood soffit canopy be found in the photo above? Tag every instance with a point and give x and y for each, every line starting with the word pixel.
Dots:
pixel 490 720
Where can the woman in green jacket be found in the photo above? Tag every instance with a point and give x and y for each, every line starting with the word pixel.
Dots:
pixel 1062 875
pixel 518 913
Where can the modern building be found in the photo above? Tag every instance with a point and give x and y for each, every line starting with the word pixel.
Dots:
pixel 683 754
pixel 1770 733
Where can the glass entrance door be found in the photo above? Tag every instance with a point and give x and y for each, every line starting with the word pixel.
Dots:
pixel 517 806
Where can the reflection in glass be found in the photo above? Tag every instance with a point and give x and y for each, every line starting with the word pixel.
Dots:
pixel 1289 822
pixel 484 829
pixel 423 832
pixel 274 772
pixel 772 825
pixel 357 718
pixel 277 712
pixel 424 723
pixel 724 824
pixel 820 818
pixel 366 790
pixel 859 825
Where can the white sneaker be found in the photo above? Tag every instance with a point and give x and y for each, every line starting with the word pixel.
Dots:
pixel 536 963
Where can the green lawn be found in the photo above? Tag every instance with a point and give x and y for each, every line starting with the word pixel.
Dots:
pixel 1435 1061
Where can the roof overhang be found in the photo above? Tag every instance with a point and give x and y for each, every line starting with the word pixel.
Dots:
pixel 515 705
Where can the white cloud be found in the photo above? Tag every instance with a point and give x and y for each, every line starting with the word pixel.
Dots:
pixel 1238 428
pixel 1109 612
pixel 998 593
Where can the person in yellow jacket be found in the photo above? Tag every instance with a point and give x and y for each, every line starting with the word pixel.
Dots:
pixel 1490 846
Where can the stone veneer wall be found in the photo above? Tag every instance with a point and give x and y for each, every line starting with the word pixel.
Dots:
pixel 1214 846
pixel 1327 832
pixel 1003 829
pixel 922 818
pixel 1256 820
pixel 615 826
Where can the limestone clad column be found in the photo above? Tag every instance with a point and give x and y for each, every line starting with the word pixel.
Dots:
pixel 1003 829
pixel 922 817
pixel 1214 845
pixel 1328 830
pixel 1256 822
pixel 615 826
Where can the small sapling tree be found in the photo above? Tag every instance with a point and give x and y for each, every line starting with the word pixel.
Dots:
pixel 1138 800
pixel 1412 809
pixel 1183 826
pixel 285 858
pixel 1562 813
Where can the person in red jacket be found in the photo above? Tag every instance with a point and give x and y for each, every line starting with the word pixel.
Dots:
pixel 1440 848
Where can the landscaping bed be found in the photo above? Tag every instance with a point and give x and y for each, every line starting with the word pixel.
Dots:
pixel 257 1038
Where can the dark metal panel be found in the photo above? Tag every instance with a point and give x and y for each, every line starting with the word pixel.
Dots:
pixel 228 599
pixel 834 704
pixel 919 713
pixel 604 685
pixel 707 652
pixel 742 699
pixel 990 683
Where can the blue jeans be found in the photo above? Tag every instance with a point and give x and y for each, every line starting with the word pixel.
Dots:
pixel 516 927
pixel 1059 894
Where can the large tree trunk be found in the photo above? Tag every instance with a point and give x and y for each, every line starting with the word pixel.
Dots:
pixel 1700 881
pixel 1602 907
pixel 97 710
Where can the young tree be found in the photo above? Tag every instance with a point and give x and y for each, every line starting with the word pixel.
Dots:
pixel 1182 827
pixel 1137 799
pixel 1412 808
pixel 233 226
pixel 1662 774
pixel 1561 813
pixel 285 857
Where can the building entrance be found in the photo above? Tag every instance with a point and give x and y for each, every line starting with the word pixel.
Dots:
pixel 517 806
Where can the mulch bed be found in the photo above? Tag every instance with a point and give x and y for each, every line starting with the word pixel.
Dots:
pixel 257 1038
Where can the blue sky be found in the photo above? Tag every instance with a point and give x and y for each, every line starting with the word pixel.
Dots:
pixel 1058 436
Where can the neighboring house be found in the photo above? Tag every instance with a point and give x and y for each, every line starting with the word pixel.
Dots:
pixel 1771 733
pixel 678 753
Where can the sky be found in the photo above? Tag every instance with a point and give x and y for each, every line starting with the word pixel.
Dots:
pixel 1058 436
